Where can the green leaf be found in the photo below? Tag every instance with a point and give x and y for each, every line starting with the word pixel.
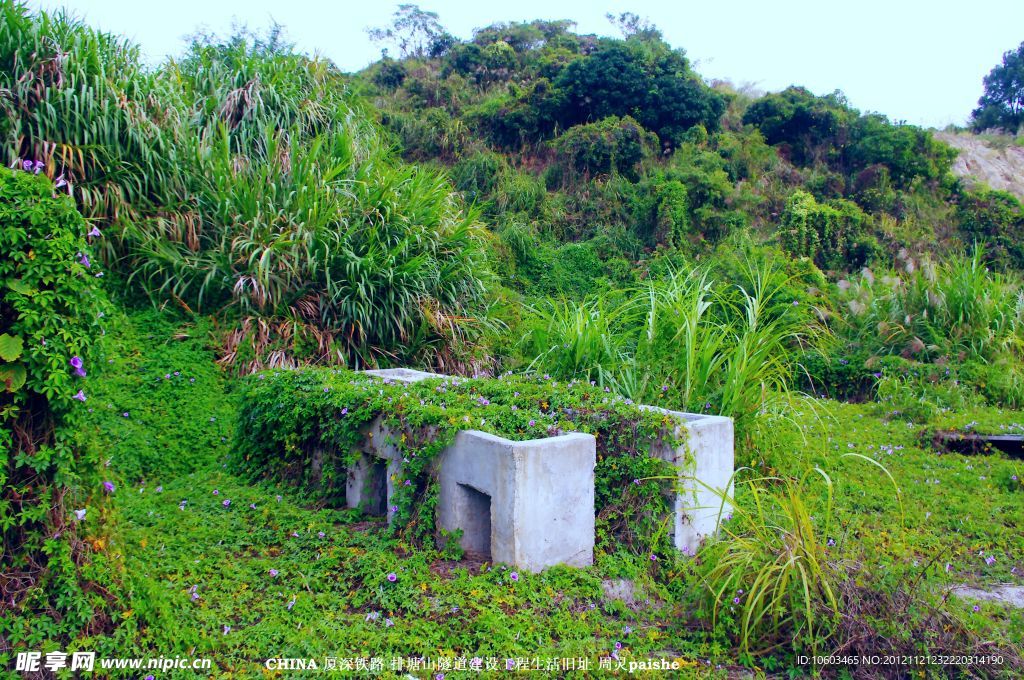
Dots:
pixel 10 347
pixel 12 377
pixel 19 286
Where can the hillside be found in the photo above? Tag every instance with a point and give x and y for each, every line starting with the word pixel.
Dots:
pixel 995 161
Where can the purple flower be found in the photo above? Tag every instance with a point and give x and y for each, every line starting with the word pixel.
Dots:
pixel 514 576
pixel 80 396
pixel 990 560
pixel 76 363
pixel 274 572
pixel 618 645
pixel 664 388
pixel 735 600
pixel 407 483
pixel 37 167
pixel 636 481
pixel 226 503
pixel 252 505
pixel 195 596
pixel 26 166
pixel 150 677
pixel 216 492
pixel 795 303
pixel 125 414
pixel 654 558
pixel 439 676
pixel 84 259
pixel 394 508
pixel 977 608
pixel 109 486
pixel 291 604
pixel 830 543
pixel 295 534
pixel 321 534
pixel 1014 477
pixel 344 411
pixel 392 577
pixel 94 232
pixel 159 489
pixel 532 423
pixel 227 629
pixel 59 182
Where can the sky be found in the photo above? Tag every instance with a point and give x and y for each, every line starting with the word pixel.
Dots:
pixel 916 61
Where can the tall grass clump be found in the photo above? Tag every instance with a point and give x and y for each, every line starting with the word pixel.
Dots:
pixel 685 340
pixel 245 178
pixel 952 319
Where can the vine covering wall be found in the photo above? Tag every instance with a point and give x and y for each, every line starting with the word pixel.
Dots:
pixel 306 426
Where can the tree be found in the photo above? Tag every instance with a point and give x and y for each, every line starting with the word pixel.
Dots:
pixel 644 79
pixel 1002 105
pixel 416 33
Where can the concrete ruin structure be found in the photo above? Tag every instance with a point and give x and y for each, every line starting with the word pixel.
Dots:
pixel 531 503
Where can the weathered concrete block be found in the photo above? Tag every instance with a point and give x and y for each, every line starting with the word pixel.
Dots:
pixel 531 503
pixel 534 499
pixel 407 375
pixel 705 465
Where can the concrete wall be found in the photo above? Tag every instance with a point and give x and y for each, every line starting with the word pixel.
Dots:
pixel 539 494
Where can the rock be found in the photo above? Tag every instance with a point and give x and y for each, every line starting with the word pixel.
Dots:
pixel 1004 594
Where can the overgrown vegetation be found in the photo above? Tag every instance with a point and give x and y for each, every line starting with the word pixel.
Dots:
pixel 580 223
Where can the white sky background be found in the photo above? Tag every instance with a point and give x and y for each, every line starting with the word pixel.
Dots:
pixel 912 60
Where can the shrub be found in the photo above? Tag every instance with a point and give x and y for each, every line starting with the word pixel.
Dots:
pixel 995 220
pixel 50 306
pixel 613 145
pixel 833 235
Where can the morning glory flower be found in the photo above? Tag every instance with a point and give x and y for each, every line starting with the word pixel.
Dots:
pixel 216 492
pixel 84 260
pixel 159 489
pixel 26 166
pixel 291 604
pixel 990 560
pixel 226 503
pixel 392 577
pixel 109 486
pixel 274 572
pixel 76 363
pixel 80 514
pixel 532 423
pixel 735 600
pixel 321 534
pixel 94 232
pixel 654 558
pixel 252 505
pixel 514 576
pixel 388 623
pixel 344 411
pixel 80 396
pixel 227 629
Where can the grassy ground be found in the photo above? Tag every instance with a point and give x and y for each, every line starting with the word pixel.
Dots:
pixel 218 567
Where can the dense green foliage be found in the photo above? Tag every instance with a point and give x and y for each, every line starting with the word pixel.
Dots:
pixel 50 309
pixel 527 202
pixel 246 177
